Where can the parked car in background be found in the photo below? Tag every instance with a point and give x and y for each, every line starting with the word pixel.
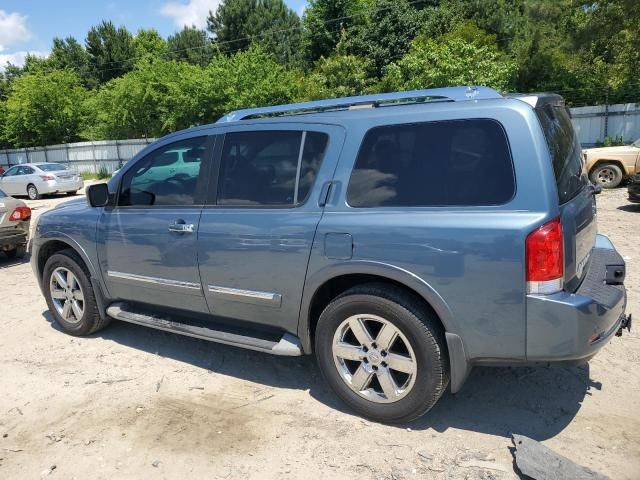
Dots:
pixel 402 238
pixel 37 179
pixel 1 169
pixel 634 189
pixel 15 217
pixel 609 166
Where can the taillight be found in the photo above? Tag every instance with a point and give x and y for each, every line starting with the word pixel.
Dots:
pixel 20 213
pixel 47 177
pixel 545 258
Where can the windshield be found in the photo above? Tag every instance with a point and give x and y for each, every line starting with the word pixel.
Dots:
pixel 636 143
pixel 51 167
pixel 2 194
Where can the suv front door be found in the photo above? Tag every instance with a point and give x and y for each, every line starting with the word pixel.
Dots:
pixel 257 230
pixel 147 242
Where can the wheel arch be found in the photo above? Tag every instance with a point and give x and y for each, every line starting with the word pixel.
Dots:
pixel 602 161
pixel 324 285
pixel 52 244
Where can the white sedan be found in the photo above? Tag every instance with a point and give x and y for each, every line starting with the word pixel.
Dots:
pixel 36 179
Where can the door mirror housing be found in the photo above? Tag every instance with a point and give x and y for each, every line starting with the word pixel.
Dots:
pixel 98 195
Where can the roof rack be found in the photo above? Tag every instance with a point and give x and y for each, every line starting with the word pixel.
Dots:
pixel 448 94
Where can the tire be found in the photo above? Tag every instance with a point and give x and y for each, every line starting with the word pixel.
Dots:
pixel 16 253
pixel 414 394
pixel 32 192
pixel 89 320
pixel 75 192
pixel 608 175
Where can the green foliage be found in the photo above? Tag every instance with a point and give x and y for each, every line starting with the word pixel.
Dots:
pixel 339 76
pixel 69 54
pixel 324 22
pixel 613 142
pixel 238 23
pixel 190 45
pixel 452 59
pixel 44 108
pixel 151 101
pixel 149 46
pixel 385 34
pixel 111 51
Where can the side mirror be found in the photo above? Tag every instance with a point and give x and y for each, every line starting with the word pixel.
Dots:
pixel 98 195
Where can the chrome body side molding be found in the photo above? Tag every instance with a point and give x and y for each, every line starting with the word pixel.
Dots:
pixel 247 296
pixel 154 280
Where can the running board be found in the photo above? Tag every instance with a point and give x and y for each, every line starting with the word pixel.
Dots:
pixel 289 345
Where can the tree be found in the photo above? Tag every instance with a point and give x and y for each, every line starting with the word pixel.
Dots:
pixel 339 76
pixel 452 59
pixel 324 21
pixel 111 51
pixel 69 54
pixel 44 108
pixel 385 35
pixel 150 46
pixel 247 79
pixel 238 23
pixel 190 45
pixel 156 98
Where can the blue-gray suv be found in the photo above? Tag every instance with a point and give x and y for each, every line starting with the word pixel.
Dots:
pixel 403 238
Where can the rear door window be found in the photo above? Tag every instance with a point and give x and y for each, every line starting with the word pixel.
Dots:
pixel 445 163
pixel 269 168
pixel 565 151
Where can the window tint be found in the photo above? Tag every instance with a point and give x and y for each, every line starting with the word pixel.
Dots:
pixel 51 167
pixel 565 151
pixel 448 163
pixel 267 168
pixel 11 172
pixel 25 171
pixel 167 176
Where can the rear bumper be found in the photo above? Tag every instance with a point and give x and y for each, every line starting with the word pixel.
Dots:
pixel 58 186
pixel 9 242
pixel 572 327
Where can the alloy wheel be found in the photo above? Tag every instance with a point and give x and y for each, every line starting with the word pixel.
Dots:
pixel 374 358
pixel 67 295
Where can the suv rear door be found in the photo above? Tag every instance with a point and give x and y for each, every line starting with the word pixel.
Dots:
pixel 258 227
pixel 575 193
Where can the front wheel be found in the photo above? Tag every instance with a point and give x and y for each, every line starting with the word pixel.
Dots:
pixel 382 353
pixel 608 175
pixel 69 294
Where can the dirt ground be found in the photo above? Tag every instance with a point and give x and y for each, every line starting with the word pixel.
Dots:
pixel 132 402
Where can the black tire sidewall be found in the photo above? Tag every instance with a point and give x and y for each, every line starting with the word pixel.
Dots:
pixel 37 195
pixel 428 383
pixel 612 166
pixel 84 326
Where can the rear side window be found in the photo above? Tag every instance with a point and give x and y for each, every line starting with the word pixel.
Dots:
pixel 565 151
pixel 446 163
pixel 269 168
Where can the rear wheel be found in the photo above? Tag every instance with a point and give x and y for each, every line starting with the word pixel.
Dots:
pixel 382 353
pixel 32 192
pixel 608 175
pixel 69 294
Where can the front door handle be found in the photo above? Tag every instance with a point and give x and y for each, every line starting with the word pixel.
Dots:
pixel 181 227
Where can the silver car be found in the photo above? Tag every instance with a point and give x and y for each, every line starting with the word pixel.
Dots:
pixel 15 217
pixel 37 179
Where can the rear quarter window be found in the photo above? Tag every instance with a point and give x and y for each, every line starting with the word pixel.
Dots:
pixel 443 163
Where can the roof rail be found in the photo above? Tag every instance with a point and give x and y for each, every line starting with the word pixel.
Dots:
pixel 451 94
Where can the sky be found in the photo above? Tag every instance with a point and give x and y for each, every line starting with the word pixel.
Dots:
pixel 31 25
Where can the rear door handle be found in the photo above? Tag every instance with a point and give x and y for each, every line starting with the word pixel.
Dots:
pixel 181 227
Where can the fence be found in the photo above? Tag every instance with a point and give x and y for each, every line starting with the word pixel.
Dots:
pixel 90 157
pixel 592 124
